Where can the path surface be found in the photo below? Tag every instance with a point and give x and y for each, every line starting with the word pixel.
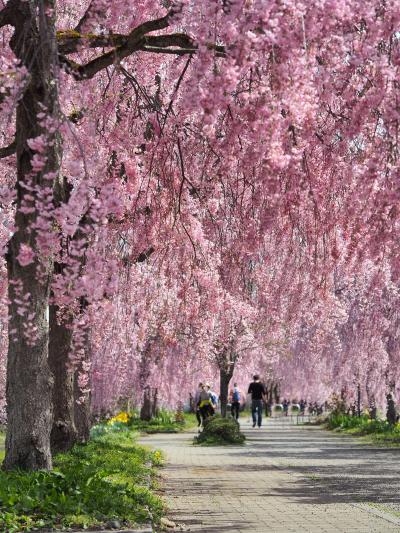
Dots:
pixel 286 478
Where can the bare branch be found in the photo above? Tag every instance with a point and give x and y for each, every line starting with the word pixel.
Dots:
pixel 70 40
pixel 125 45
pixel 85 17
pixel 172 51
pixel 160 44
pixel 174 39
pixel 8 150
pixel 5 15
pixel 142 257
pixel 132 44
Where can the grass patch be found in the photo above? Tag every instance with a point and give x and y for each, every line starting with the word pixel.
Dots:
pixel 219 431
pixel 90 485
pixel 165 422
pixel 375 431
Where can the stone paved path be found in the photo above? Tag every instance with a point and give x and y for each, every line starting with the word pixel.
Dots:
pixel 286 478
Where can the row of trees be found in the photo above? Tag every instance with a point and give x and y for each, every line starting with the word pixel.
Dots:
pixel 193 186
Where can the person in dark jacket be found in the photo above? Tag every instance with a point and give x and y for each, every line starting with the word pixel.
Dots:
pixel 257 391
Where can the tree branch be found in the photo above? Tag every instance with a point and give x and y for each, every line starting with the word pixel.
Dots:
pixel 132 44
pixel 142 257
pixel 5 14
pixel 125 45
pixel 8 150
pixel 70 40
pixel 84 18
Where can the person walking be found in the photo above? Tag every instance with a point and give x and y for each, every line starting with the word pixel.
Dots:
pixel 257 391
pixel 205 405
pixel 214 398
pixel 235 401
pixel 197 403
pixel 285 404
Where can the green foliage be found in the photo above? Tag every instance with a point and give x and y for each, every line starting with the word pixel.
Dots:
pixel 378 430
pixel 165 422
pixel 90 485
pixel 219 431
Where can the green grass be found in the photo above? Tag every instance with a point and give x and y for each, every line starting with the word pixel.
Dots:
pixel 219 431
pixel 103 480
pixel 164 423
pixel 375 431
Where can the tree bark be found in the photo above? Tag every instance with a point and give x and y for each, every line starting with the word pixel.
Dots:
pixel 82 402
pixel 29 379
pixel 63 432
pixel 82 413
pixel 224 379
pixel 145 411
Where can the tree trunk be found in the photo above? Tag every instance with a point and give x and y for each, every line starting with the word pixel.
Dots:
pixel 82 409
pixel 29 380
pixel 224 379
pixel 145 411
pixel 154 406
pixel 63 433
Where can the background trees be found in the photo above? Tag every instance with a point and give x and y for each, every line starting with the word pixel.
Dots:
pixel 163 159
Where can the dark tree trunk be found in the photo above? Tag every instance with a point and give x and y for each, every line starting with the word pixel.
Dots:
pixel 82 403
pixel 29 380
pixel 145 411
pixel 63 433
pixel 82 413
pixel 154 407
pixel 224 379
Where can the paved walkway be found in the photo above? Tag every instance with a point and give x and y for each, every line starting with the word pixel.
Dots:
pixel 286 478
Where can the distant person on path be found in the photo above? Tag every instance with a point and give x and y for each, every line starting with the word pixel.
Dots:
pixel 197 403
pixel 235 401
pixel 257 391
pixel 285 404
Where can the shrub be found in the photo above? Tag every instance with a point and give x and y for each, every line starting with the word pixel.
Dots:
pixel 218 430
pixel 363 425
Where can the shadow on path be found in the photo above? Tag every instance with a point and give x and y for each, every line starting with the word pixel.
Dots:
pixel 285 478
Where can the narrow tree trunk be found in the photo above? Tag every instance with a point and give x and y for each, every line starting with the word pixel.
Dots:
pixel 29 380
pixel 63 433
pixel 224 379
pixel 145 411
pixel 154 406
pixel 82 406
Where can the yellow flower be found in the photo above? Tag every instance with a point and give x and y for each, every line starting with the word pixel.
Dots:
pixel 157 457
pixel 121 417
